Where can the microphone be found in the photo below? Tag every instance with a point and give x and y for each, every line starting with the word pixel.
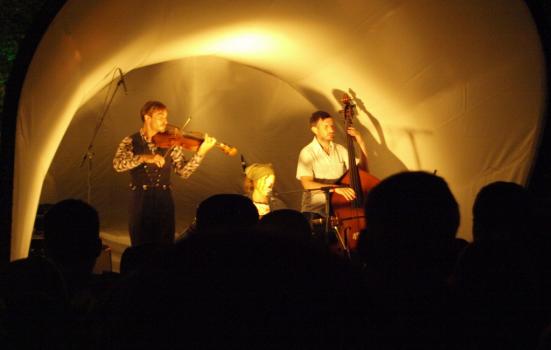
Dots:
pixel 243 164
pixel 122 81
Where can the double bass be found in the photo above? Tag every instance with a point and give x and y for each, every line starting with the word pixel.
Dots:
pixel 350 214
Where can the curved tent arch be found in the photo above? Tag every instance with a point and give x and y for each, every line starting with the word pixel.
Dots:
pixel 435 78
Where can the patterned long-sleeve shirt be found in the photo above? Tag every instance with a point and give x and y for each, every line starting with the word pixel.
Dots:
pixel 125 158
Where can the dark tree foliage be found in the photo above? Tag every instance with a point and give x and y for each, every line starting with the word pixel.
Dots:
pixel 16 17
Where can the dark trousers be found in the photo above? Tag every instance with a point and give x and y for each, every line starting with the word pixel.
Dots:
pixel 151 214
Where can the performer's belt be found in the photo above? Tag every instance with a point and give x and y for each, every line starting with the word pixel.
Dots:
pixel 149 187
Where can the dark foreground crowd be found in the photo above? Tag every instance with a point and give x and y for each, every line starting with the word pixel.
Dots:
pixel 236 282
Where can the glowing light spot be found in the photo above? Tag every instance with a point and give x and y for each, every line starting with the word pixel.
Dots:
pixel 244 43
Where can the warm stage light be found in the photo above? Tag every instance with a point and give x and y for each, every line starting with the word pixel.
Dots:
pixel 243 43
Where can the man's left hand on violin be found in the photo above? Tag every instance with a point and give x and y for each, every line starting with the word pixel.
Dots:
pixel 207 145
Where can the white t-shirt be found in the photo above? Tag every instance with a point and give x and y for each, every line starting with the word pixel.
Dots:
pixel 323 167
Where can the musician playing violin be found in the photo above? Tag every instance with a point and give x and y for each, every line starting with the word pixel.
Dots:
pixel 151 210
pixel 322 162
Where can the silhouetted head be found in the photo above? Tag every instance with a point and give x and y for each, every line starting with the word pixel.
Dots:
pixel 413 205
pixel 71 234
pixel 502 210
pixel 412 219
pixel 135 257
pixel 223 212
pixel 286 223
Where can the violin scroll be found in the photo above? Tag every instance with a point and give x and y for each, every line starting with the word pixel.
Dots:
pixel 227 149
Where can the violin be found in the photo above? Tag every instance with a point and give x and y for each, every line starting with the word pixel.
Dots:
pixel 190 140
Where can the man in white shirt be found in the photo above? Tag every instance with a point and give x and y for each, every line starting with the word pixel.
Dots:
pixel 322 162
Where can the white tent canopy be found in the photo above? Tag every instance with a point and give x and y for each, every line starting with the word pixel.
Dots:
pixel 454 86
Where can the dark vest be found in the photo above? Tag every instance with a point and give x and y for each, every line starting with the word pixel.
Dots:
pixel 149 175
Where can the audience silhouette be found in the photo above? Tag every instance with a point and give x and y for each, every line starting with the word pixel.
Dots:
pixel 502 211
pixel 135 257
pixel 412 218
pixel 72 243
pixel 33 304
pixel 235 281
pixel 498 295
pixel 287 222
pixel 239 290
pixel 225 212
pixel 71 240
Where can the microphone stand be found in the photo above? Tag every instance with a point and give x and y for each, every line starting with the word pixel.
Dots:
pixel 327 192
pixel 89 155
pixel 327 211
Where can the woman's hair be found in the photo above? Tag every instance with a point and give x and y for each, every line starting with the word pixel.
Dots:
pixel 254 172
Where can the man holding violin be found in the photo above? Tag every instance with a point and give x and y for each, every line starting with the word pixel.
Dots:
pixel 150 164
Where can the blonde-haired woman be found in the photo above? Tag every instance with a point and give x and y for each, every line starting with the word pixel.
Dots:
pixel 259 184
